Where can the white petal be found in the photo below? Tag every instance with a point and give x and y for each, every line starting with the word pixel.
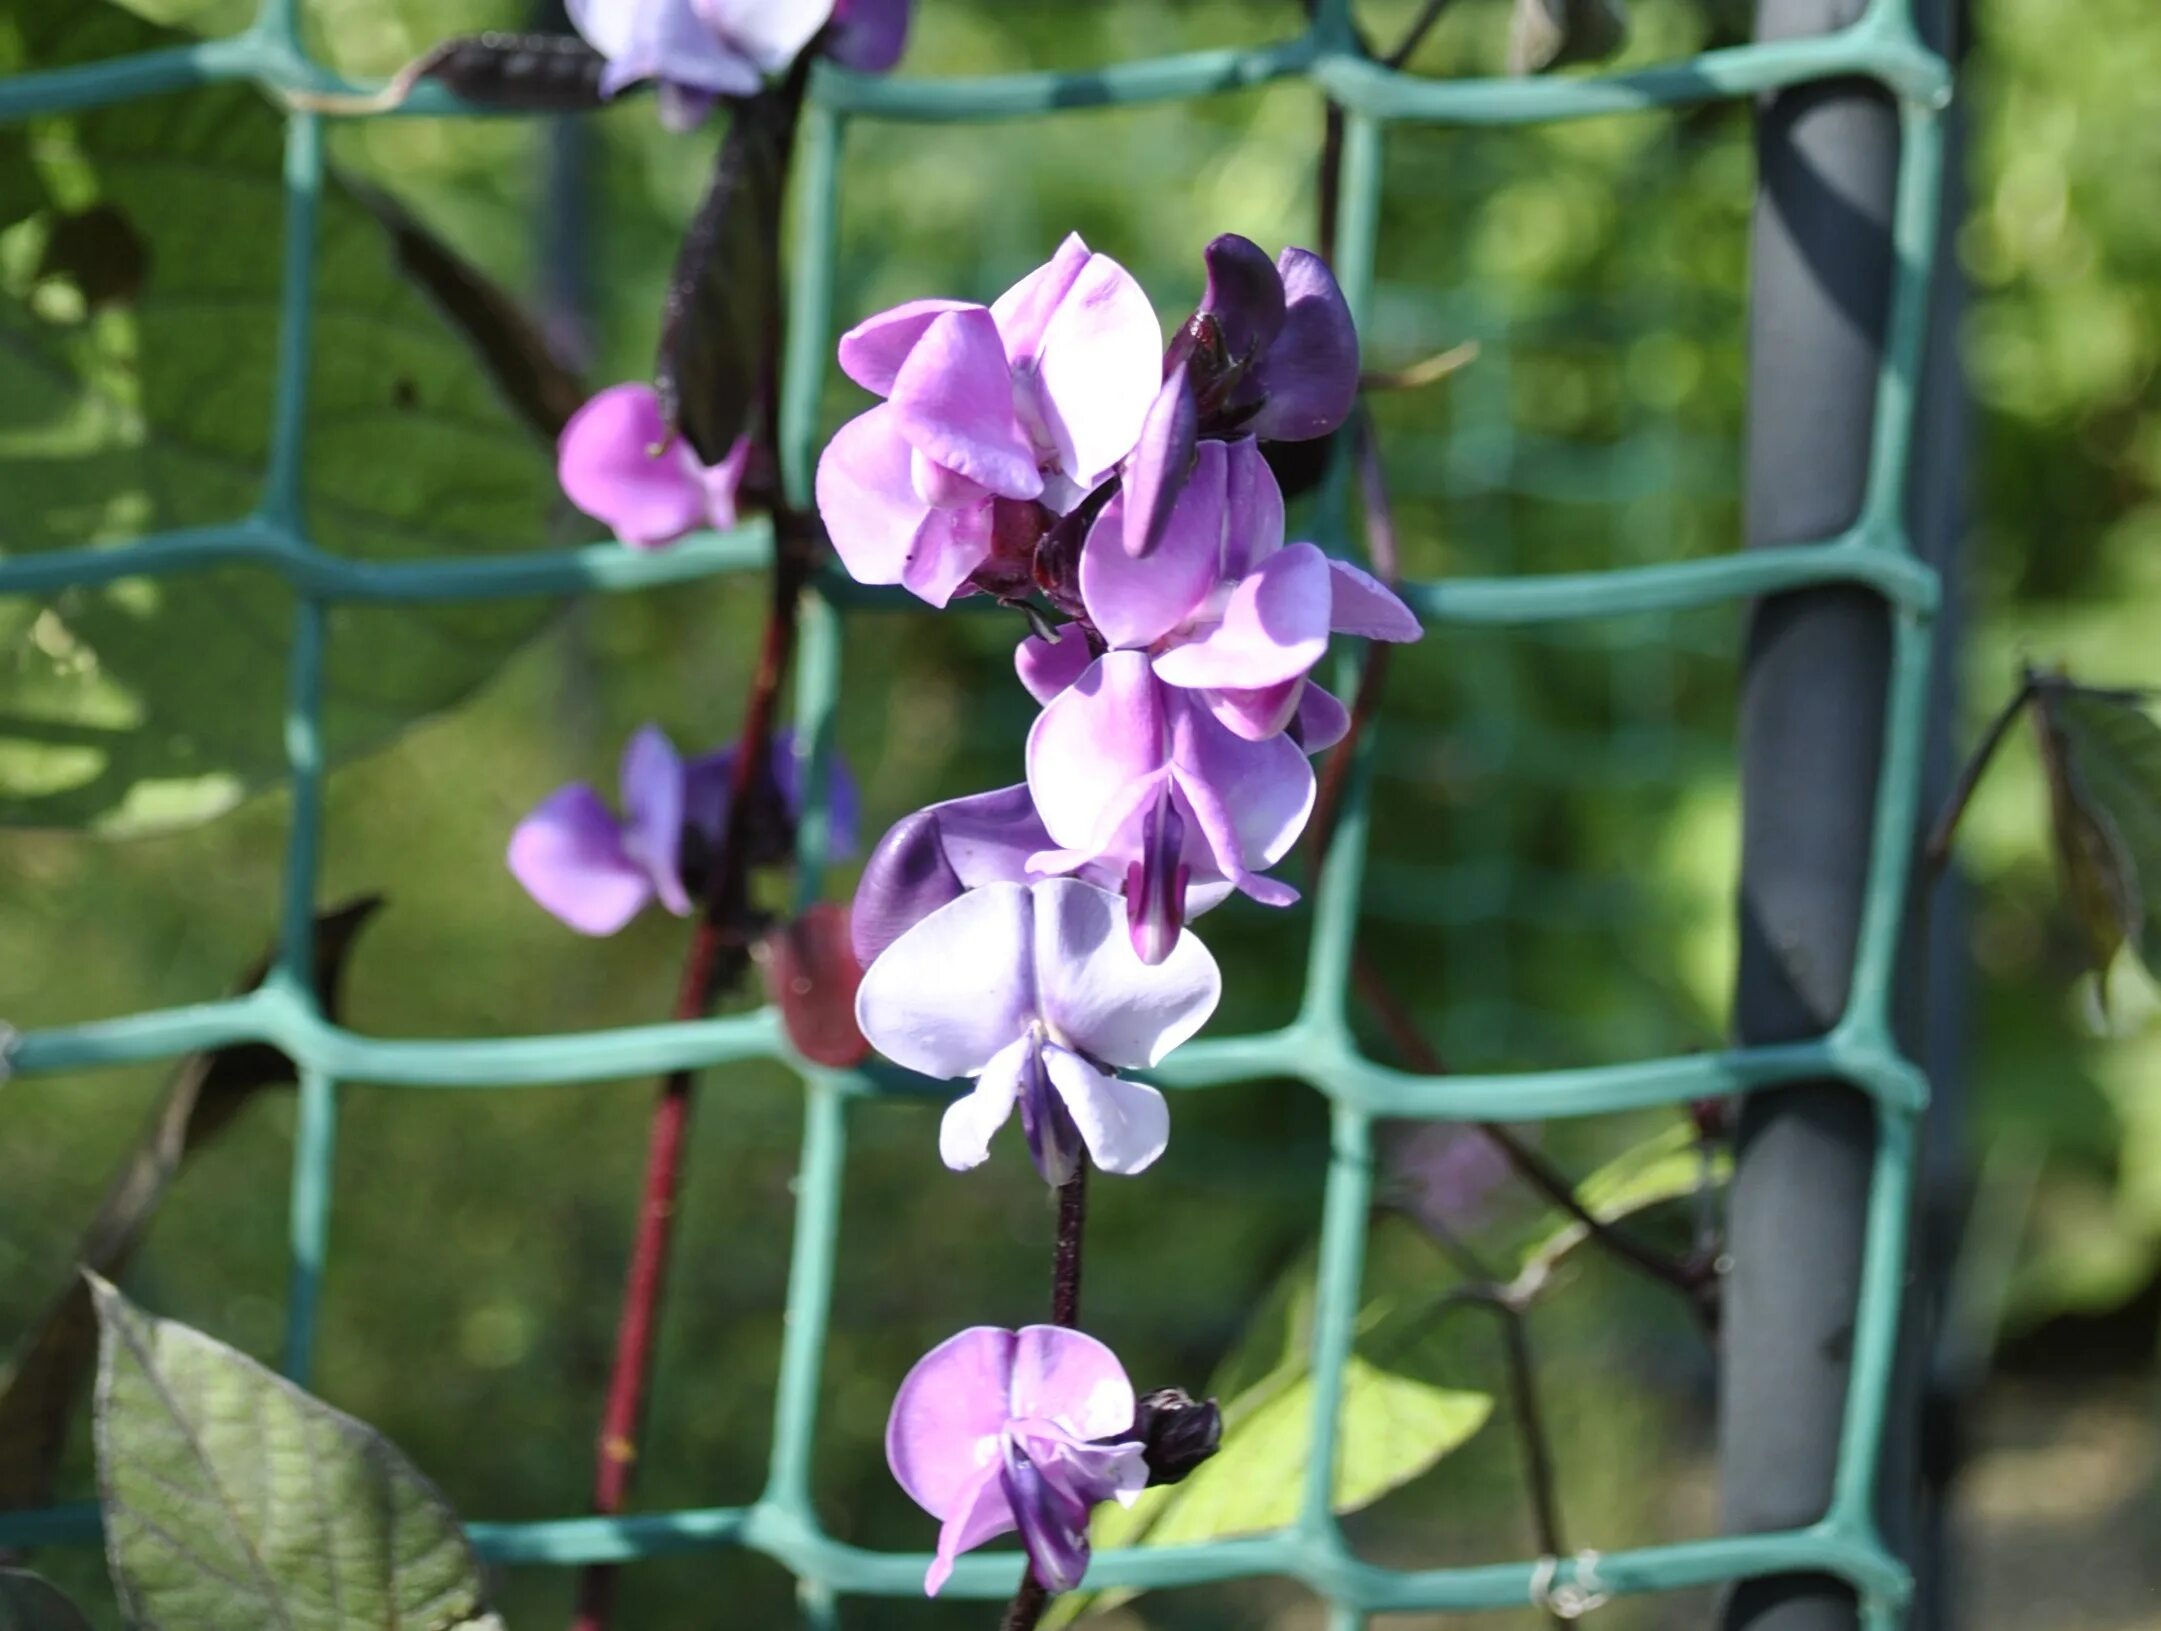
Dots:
pixel 1095 992
pixel 1124 1124
pixel 965 1133
pixel 957 987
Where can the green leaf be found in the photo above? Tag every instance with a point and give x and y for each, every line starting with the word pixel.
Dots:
pixel 2101 753
pixel 28 1603
pixel 40 1390
pixel 140 294
pixel 1668 1166
pixel 232 1498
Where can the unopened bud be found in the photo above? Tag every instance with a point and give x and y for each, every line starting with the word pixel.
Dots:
pixel 1177 1432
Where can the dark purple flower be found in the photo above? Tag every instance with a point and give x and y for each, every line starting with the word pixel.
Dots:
pixel 997 1430
pixel 596 870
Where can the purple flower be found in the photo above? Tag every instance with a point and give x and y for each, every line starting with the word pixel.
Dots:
pixel 998 1430
pixel 868 35
pixel 620 463
pixel 1224 607
pixel 696 50
pixel 1135 775
pixel 1031 990
pixel 999 415
pixel 596 871
pixel 1272 352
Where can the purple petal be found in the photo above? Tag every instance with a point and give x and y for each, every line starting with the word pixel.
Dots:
pixel 771 33
pixel 569 856
pixel 1255 715
pixel 1255 528
pixel 1311 368
pixel 1274 627
pixel 665 40
pixel 946 996
pixel 953 399
pixel 1251 798
pixel 1088 748
pixel 1087 1470
pixel 1098 996
pixel 1067 1377
pixel 1323 721
pixel 1161 462
pixel 683 108
pixel 723 482
pixel 1053 1525
pixel 843 800
pixel 947 549
pixel 1124 1124
pixel 981 1513
pixel 1136 602
pixel 871 353
pixel 1024 311
pixel 1100 366
pixel 652 783
pixel 1155 885
pixel 948 1419
pixel 1054 1142
pixel 608 467
pixel 1363 605
pixel 1047 667
pixel 1245 294
pixel 869 35
pixel 940 488
pixel 881 530
pixel 964 1133
pixel 931 857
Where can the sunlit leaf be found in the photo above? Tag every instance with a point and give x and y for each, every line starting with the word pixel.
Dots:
pixel 232 1498
pixel 1546 34
pixel 1668 1166
pixel 140 297
pixel 40 1390
pixel 2101 753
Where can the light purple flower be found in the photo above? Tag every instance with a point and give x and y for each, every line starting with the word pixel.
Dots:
pixel 1224 608
pixel 1032 990
pixel 596 870
pixel 997 1430
pixel 1028 402
pixel 696 50
pixel 1135 775
pixel 619 462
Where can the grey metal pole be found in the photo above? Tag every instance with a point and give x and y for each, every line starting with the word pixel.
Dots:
pixel 1815 671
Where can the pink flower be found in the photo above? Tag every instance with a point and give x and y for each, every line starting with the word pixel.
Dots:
pixel 620 463
pixel 1028 402
pixel 998 1430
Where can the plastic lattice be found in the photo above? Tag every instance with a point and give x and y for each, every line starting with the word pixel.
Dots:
pixel 1317 1046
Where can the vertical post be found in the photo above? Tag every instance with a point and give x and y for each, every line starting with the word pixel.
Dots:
pixel 1813 692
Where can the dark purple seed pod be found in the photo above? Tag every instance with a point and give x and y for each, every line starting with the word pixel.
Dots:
pixel 518 73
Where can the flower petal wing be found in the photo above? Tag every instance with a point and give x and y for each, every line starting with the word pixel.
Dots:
pixel 569 856
pixel 1068 1377
pixel 1274 628
pixel 1095 992
pixel 1097 738
pixel 964 1132
pixel 1047 667
pixel 957 987
pixel 871 353
pixel 1124 1124
pixel 1100 367
pixel 1024 311
pixel 1136 601
pixel 607 465
pixel 1360 604
pixel 953 399
pixel 952 1400
pixel 652 783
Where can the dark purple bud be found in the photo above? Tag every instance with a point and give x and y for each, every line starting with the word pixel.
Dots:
pixel 1156 473
pixel 1053 1525
pixel 936 855
pixel 1054 1141
pixel 1176 1431
pixel 1156 883
pixel 868 35
pixel 1308 376
pixel 905 880
pixel 1245 295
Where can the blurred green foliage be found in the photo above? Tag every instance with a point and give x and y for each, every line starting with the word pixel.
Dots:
pixel 1554 839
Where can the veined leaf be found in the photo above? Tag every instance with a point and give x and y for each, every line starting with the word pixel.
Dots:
pixel 1668 1166
pixel 232 1498
pixel 140 294
pixel 2101 753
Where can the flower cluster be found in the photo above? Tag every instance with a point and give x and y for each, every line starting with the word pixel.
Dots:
pixel 1048 450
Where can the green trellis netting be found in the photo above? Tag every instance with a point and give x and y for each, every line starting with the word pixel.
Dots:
pixel 1317 1047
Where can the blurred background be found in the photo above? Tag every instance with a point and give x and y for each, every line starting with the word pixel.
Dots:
pixel 1555 837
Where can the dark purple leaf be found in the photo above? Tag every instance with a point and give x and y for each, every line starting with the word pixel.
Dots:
pixel 724 298
pixel 811 974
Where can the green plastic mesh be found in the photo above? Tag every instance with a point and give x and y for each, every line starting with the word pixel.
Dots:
pixel 1317 1047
